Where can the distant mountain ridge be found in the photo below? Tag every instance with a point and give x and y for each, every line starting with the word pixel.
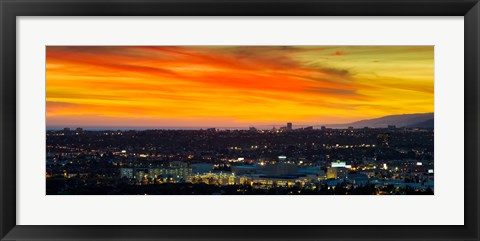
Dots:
pixel 425 124
pixel 420 120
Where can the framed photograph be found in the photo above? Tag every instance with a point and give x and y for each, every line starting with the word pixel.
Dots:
pixel 239 120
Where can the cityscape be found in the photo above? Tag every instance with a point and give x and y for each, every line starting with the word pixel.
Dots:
pixel 239 120
pixel 278 161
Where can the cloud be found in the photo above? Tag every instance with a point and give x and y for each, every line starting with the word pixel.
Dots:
pixel 332 91
pixel 334 71
pixel 337 53
pixel 247 83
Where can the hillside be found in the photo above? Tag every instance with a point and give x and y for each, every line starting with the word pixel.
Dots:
pixel 423 120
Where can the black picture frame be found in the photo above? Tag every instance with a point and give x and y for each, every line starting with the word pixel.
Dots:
pixel 10 9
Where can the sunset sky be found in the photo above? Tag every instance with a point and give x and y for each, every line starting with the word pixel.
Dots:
pixel 234 86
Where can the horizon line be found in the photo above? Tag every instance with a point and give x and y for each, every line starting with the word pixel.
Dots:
pixel 260 127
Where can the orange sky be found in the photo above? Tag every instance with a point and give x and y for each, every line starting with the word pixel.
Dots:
pixel 234 86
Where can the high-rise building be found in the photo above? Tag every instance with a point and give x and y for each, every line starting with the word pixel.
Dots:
pixel 289 126
pixel 66 131
pixel 79 130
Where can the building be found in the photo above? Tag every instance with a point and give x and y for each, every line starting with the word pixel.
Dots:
pixel 201 168
pixel 339 164
pixel 269 182
pixel 176 172
pixel 336 173
pixel 358 179
pixel 79 131
pixel 221 179
pixel 67 131
pixel 245 170
pixel 152 173
pixel 331 172
pixel 126 173
pixel 289 126
pixel 281 169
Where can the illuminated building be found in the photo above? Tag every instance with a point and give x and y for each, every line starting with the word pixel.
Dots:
pixel 177 172
pixel 336 173
pixel 221 179
pixel 338 164
pixel 239 161
pixel 331 172
pixel 140 173
pixel 151 173
pixel 272 182
pixel 126 172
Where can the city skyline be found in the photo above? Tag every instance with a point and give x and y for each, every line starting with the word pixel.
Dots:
pixel 229 86
pixel 262 127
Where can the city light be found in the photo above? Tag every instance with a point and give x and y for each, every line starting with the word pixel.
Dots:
pixel 239 120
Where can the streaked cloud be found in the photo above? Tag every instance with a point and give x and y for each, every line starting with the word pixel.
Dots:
pixel 234 85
